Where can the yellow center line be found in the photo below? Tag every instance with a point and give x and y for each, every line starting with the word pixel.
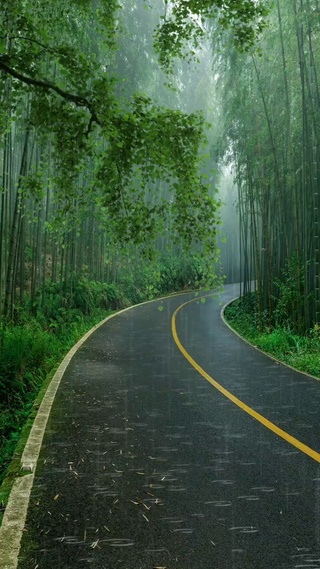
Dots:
pixel 283 434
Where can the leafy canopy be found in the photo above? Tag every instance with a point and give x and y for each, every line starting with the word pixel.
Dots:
pixel 184 25
pixel 55 59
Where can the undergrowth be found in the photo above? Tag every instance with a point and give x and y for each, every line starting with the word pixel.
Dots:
pixel 28 353
pixel 300 351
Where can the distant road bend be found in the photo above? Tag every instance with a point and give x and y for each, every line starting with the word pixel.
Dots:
pixel 173 444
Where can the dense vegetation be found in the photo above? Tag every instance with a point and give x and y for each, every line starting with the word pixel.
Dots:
pixel 270 125
pixel 299 351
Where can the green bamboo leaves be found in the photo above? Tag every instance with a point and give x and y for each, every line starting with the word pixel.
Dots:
pixel 184 25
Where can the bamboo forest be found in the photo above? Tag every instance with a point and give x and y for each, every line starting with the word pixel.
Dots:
pixel 149 148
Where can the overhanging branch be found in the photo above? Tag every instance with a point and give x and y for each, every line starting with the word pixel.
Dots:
pixel 78 100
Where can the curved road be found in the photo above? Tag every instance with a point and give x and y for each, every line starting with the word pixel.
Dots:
pixel 146 464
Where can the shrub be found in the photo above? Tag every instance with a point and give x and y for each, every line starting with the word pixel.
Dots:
pixel 297 350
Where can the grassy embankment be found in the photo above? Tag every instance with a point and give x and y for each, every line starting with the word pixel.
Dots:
pixel 299 351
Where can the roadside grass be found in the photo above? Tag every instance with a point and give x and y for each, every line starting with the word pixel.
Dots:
pixel 300 352
pixel 13 470
pixel 17 422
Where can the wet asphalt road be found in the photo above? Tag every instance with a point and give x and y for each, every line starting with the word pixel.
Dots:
pixel 145 464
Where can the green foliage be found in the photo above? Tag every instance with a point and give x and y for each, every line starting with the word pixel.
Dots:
pixel 32 347
pixel 184 24
pixel 104 149
pixel 179 272
pixel 300 351
pixel 169 273
pixel 269 137
pixel 150 143
pixel 242 314
pixel 27 354
pixel 281 342
pixel 290 298
pixel 76 296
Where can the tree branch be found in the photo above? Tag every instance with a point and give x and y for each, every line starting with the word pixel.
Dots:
pixel 78 100
pixel 32 40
